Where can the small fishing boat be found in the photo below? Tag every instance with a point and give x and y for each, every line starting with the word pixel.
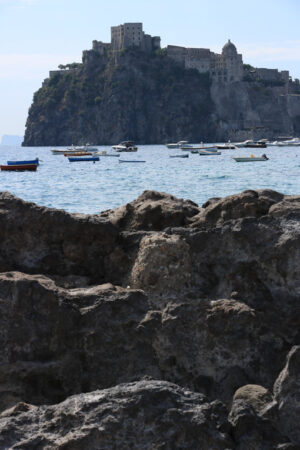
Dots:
pixel 209 148
pixel 208 152
pixel 251 158
pixel 80 159
pixel 30 161
pixel 104 153
pixel 131 161
pixel 78 154
pixel 20 167
pixel 55 151
pixel 179 156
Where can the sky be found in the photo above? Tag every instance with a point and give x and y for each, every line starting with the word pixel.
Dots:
pixel 38 35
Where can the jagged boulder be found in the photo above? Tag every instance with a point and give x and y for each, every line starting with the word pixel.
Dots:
pixel 143 415
pixel 252 432
pixel 256 396
pixel 35 239
pixel 56 342
pixel 216 310
pixel 163 264
pixel 287 395
pixel 246 204
pixel 152 211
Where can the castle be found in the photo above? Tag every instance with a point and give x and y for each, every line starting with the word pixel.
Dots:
pixel 126 36
pixel 226 67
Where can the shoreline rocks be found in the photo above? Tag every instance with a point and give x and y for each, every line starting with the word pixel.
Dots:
pixel 155 303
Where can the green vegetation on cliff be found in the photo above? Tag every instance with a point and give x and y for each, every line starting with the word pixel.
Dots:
pixel 149 99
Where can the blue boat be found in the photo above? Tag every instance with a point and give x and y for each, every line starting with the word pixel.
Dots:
pixel 91 158
pixel 16 163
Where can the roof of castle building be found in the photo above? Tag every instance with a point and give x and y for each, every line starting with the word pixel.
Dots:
pixel 229 48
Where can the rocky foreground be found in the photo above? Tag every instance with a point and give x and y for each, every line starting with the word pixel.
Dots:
pixel 157 325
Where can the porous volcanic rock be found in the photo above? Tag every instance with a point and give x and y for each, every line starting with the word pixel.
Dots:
pixel 152 211
pixel 163 263
pixel 287 395
pixel 56 342
pixel 148 414
pixel 256 396
pixel 207 298
pixel 35 239
pixel 246 204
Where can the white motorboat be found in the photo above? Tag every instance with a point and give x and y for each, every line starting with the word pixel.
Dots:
pixel 125 146
pixel 227 146
pixel 243 144
pixel 289 143
pixel 179 144
pixel 250 158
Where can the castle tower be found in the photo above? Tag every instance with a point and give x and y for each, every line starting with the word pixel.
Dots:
pixel 232 62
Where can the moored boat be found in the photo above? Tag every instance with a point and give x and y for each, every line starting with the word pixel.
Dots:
pixel 178 144
pixel 208 152
pixel 227 146
pixel 80 159
pixel 131 161
pixel 255 144
pixel 179 156
pixel 250 158
pixel 105 153
pixel 55 151
pixel 30 161
pixel 125 146
pixel 78 154
pixel 20 167
pixel 210 148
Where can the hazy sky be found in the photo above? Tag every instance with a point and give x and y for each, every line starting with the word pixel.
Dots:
pixel 38 35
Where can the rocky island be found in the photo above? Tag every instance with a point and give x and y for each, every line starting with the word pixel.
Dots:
pixel 133 89
pixel 159 324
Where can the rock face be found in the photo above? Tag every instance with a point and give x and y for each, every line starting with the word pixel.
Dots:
pixel 160 324
pixel 151 99
pixel 147 414
pixel 136 98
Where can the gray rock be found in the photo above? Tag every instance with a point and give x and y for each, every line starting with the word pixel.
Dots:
pixel 246 204
pixel 256 396
pixel 287 395
pixel 143 415
pixel 217 308
pixel 56 342
pixel 152 211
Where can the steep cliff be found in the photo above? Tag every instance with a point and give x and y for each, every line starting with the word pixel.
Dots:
pixel 152 99
pixel 148 99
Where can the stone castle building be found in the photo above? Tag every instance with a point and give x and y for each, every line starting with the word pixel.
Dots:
pixel 226 67
pixel 128 35
pixel 132 35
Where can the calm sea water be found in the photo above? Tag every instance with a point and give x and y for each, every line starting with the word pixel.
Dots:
pixel 91 188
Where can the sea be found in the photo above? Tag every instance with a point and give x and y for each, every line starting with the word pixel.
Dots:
pixel 91 188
